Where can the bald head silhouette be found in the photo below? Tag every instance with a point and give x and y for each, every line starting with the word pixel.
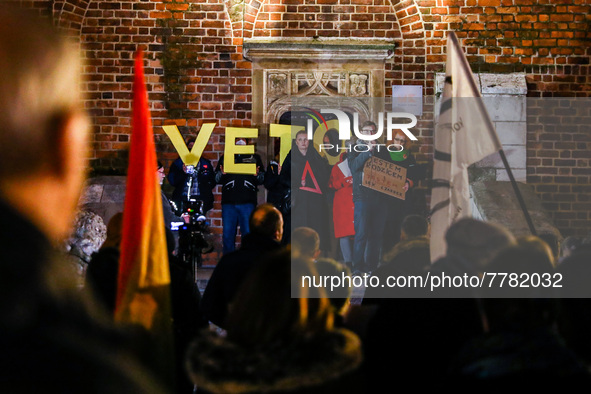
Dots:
pixel 267 221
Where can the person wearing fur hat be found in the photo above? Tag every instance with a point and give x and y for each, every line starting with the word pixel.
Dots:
pixel 277 340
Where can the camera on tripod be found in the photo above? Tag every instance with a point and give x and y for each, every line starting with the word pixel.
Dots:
pixel 195 230
pixel 192 240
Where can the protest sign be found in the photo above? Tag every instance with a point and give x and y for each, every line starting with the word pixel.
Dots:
pixel 384 177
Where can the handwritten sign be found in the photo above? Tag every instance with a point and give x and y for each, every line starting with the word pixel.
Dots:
pixel 385 177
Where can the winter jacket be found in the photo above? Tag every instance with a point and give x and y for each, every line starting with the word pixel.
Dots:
pixel 240 188
pixel 343 207
pixel 205 179
pixel 309 204
pixel 275 190
pixel 168 211
pixel 229 274
pixel 55 337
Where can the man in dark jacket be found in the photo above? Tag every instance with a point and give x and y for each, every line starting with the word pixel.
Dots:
pixel 168 210
pixel 275 190
pixel 53 337
pixel 200 187
pixel 396 209
pixel 266 231
pixel 239 197
pixel 372 207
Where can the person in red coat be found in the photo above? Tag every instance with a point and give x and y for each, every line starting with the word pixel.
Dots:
pixel 341 180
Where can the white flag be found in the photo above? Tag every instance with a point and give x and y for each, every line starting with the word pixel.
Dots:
pixel 463 135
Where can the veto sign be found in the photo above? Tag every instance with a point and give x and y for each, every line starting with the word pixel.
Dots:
pixel 385 177
pixel 283 132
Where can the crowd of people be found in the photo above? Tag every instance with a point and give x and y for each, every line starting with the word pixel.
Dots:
pixel 309 192
pixel 272 334
pixel 526 338
pixel 333 201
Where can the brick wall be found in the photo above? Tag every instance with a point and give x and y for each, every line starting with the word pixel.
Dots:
pixel 195 71
pixel 548 40
pixel 559 160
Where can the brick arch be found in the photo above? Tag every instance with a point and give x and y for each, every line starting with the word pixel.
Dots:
pixel 401 21
pixel 407 14
pixel 411 54
pixel 234 11
pixel 251 10
pixel 69 14
pixel 409 18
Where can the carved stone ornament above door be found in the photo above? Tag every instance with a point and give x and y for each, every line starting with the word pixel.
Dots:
pixel 284 71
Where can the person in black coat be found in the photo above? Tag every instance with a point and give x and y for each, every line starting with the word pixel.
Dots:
pixel 373 208
pixel 185 297
pixel 397 209
pixel 239 197
pixel 202 178
pixel 285 182
pixel 308 175
pixel 279 194
pixel 266 226
pixel 405 320
pixel 53 336
pixel 275 190
pixel 280 338
pixel 187 318
pixel 169 211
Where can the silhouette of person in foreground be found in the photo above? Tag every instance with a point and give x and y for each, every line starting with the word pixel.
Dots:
pixel 280 338
pixel 52 336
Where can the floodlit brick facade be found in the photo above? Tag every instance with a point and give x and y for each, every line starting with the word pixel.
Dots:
pixel 196 73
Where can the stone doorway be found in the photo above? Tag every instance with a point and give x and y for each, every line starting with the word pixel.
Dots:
pixel 319 72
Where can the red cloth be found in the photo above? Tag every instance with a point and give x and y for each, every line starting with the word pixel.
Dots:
pixel 144 277
pixel 343 207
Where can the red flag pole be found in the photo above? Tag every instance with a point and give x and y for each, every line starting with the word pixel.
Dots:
pixel 143 288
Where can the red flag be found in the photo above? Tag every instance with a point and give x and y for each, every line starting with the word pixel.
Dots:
pixel 144 277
